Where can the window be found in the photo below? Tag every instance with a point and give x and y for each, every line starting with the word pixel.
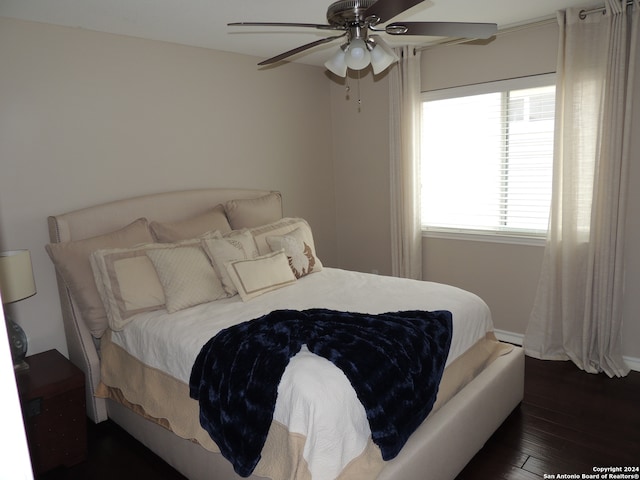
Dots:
pixel 487 157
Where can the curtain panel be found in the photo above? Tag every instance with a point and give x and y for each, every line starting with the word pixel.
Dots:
pixel 577 312
pixel 404 118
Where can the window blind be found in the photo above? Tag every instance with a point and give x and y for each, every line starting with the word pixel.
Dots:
pixel 487 159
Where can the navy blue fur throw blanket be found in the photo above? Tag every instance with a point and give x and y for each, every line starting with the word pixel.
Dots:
pixel 394 362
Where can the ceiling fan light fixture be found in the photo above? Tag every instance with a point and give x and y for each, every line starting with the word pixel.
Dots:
pixel 382 56
pixel 357 55
pixel 337 64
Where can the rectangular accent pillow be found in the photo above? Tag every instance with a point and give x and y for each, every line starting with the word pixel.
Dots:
pixel 236 246
pixel 72 263
pixel 260 275
pixel 251 212
pixel 193 227
pixel 127 283
pixel 295 244
pixel 186 275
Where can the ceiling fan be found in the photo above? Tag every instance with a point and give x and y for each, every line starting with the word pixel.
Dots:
pixel 356 18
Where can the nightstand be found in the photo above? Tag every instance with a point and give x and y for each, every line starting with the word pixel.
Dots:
pixel 53 405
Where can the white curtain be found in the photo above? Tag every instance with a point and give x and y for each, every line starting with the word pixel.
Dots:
pixel 577 312
pixel 406 237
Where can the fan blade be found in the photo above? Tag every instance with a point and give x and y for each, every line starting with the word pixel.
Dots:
pixel 385 10
pixel 443 29
pixel 299 49
pixel 283 24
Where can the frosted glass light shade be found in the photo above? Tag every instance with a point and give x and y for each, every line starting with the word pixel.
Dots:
pixel 382 56
pixel 357 55
pixel 337 64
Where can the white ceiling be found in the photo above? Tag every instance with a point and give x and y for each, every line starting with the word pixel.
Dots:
pixel 203 22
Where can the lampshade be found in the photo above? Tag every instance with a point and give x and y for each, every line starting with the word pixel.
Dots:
pixel 358 54
pixel 382 56
pixel 16 283
pixel 337 63
pixel 16 276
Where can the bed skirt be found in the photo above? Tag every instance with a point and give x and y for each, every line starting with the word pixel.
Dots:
pixel 165 401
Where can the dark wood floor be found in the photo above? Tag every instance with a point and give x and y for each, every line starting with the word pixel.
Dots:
pixel 568 423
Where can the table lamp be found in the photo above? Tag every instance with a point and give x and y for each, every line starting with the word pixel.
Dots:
pixel 16 283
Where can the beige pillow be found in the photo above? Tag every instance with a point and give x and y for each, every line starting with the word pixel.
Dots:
pixel 193 227
pixel 71 260
pixel 236 246
pixel 302 257
pixel 127 283
pixel 281 227
pixel 251 212
pixel 186 275
pixel 260 275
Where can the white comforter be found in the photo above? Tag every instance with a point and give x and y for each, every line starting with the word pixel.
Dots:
pixel 315 398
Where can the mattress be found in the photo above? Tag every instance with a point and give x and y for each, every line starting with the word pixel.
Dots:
pixel 320 429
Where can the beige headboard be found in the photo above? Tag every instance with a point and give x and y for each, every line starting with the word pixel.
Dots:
pixel 108 217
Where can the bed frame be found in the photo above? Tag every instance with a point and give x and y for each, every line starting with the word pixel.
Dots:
pixel 439 449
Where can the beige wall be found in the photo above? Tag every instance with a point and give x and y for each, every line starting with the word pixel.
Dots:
pixel 361 166
pixel 504 275
pixel 87 117
pixel 528 51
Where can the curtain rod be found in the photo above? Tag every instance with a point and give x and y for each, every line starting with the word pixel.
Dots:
pixel 584 13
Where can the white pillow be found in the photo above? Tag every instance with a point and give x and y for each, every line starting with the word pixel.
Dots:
pixel 127 283
pixel 186 275
pixel 236 246
pixel 281 227
pixel 302 258
pixel 260 275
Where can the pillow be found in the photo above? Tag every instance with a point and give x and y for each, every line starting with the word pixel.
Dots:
pixel 252 212
pixel 127 283
pixel 302 258
pixel 237 246
pixel 186 275
pixel 260 275
pixel 214 219
pixel 281 227
pixel 72 263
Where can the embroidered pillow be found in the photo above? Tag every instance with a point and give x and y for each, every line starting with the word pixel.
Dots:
pixel 300 254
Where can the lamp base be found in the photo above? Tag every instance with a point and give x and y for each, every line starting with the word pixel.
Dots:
pixel 18 345
pixel 20 366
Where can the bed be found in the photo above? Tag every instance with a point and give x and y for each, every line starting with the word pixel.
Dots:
pixel 123 344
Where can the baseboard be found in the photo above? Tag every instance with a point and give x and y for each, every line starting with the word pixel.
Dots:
pixel 518 339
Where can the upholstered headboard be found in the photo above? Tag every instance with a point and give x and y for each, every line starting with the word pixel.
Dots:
pixel 109 217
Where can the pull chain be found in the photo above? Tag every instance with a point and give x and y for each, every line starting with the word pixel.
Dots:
pixel 359 98
pixel 348 90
